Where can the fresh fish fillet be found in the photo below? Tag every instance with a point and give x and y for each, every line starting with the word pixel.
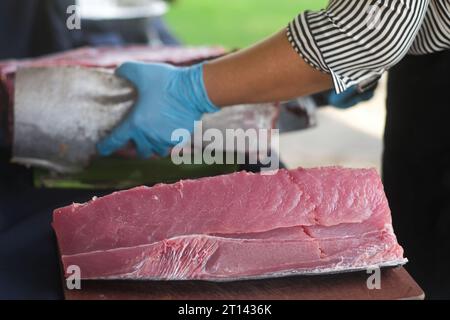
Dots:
pixel 233 227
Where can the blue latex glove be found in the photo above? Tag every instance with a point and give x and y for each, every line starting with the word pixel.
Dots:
pixel 349 98
pixel 170 98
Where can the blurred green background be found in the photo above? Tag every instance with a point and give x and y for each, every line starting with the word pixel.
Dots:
pixel 233 23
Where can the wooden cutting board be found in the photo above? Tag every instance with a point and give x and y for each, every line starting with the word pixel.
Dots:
pixel 396 283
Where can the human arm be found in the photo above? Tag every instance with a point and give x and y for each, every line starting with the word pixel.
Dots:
pixel 171 98
pixel 268 71
pixel 340 46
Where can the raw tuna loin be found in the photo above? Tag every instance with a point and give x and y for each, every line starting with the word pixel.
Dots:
pixel 232 227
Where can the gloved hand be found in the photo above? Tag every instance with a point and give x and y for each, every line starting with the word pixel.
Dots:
pixel 350 97
pixel 170 98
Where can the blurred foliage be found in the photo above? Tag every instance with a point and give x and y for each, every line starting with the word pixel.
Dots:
pixel 233 23
pixel 112 173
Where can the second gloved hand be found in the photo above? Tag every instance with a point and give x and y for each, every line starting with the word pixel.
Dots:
pixel 350 97
pixel 170 98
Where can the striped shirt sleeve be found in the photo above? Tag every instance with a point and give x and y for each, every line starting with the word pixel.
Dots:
pixel 434 35
pixel 356 41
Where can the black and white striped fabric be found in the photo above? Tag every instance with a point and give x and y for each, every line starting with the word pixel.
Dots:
pixel 356 41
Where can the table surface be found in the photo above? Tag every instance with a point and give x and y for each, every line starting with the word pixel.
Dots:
pixel 396 283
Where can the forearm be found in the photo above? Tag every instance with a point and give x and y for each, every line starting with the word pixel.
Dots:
pixel 269 71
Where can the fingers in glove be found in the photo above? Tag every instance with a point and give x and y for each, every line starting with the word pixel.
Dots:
pixel 116 140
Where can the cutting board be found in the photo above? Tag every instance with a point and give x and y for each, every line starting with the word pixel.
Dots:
pixel 396 283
